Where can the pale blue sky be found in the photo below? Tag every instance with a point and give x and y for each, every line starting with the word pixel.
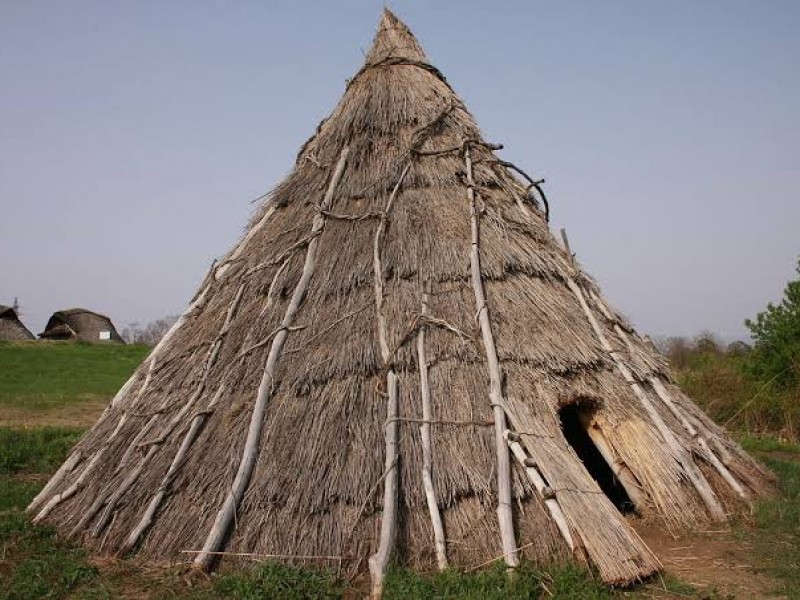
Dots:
pixel 134 135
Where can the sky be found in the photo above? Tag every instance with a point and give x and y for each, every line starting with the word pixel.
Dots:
pixel 134 136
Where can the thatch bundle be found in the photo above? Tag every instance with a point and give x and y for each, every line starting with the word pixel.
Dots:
pixel 11 328
pixel 80 324
pixel 398 360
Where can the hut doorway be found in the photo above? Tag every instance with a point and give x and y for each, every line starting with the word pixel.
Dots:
pixel 575 420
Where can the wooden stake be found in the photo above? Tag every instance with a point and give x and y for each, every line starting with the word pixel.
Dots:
pixel 565 239
pixel 379 561
pixel 504 513
pixel 425 434
pixel 227 512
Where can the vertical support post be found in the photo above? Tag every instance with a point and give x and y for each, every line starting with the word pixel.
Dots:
pixel 425 434
pixel 379 561
pixel 504 513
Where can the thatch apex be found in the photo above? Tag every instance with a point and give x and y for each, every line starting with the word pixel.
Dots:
pixel 81 324
pixel 11 328
pixel 394 39
pixel 399 360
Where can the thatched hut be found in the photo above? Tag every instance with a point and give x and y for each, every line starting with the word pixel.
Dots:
pixel 81 324
pixel 11 328
pixel 400 360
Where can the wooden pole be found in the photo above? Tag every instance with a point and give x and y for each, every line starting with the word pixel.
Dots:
pixel 177 462
pixel 504 512
pixel 666 398
pixel 538 482
pixel 621 471
pixel 379 561
pixel 155 444
pixel 225 516
pixel 425 434
pixel 681 454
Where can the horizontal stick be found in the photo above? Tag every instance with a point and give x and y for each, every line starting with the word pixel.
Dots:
pixel 254 555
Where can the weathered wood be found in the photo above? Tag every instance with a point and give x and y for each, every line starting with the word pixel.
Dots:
pixel 706 450
pixel 379 561
pixel 622 472
pixel 71 490
pixel 55 480
pixel 504 512
pixel 567 249
pixel 177 462
pixel 679 452
pixel 535 477
pixel 239 248
pixel 78 483
pixel 427 451
pixel 666 398
pixel 226 513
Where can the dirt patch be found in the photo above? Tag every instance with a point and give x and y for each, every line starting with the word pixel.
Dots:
pixel 714 562
pixel 76 414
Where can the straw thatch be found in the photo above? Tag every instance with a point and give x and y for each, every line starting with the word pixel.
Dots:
pixel 376 371
pixel 82 325
pixel 11 328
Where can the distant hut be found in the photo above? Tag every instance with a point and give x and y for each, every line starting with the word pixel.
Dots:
pixel 81 324
pixel 11 328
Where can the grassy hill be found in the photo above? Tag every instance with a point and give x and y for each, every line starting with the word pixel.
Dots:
pixel 61 383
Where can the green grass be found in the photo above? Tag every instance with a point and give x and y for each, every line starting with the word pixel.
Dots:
pixel 776 538
pixel 43 375
pixel 38 450
pixel 564 583
pixel 767 443
pixel 34 562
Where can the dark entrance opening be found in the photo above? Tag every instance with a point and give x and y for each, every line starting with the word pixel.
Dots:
pixel 575 419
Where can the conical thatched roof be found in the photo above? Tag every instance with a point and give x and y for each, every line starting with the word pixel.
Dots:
pixel 11 328
pixel 80 324
pixel 398 360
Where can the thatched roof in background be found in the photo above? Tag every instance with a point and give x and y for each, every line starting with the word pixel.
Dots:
pixel 11 328
pixel 350 377
pixel 80 324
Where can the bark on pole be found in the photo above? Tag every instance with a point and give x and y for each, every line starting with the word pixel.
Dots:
pixel 225 516
pixel 379 561
pixel 504 513
pixel 427 451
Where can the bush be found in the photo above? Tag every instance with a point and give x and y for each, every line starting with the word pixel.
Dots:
pixel 776 332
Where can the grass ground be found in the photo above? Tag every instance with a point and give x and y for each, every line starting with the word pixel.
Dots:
pixel 61 383
pixel 35 563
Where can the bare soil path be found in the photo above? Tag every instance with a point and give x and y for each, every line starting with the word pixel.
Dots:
pixel 715 562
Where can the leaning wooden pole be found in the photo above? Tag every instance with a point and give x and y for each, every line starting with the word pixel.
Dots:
pixel 153 445
pixel 379 561
pixel 225 515
pixel 427 451
pixel 666 398
pixel 504 512
pixel 548 496
pixel 119 397
pixel 681 454
pixel 178 460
